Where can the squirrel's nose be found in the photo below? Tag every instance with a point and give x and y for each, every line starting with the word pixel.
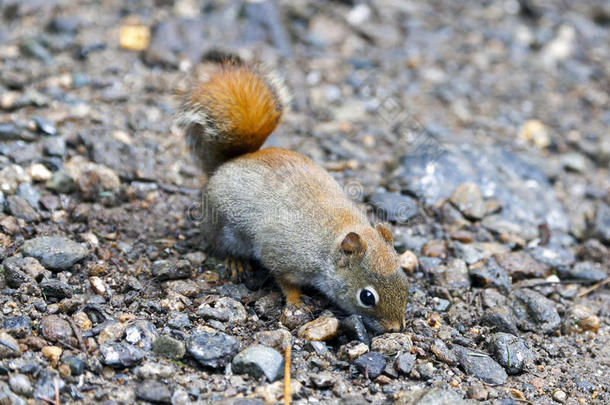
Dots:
pixel 394 326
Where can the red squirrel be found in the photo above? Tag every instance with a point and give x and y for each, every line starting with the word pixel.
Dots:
pixel 279 208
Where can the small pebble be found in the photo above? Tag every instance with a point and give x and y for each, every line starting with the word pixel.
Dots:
pixel 52 354
pixel 324 328
pixel 212 349
pixel 371 364
pixel 258 360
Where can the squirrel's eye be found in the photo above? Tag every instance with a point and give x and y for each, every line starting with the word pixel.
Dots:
pixel 367 297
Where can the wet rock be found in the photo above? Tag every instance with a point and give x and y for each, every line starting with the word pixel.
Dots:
pixel 56 289
pixel 431 396
pixel 432 173
pixel 487 273
pixel 9 347
pixel 56 329
pixel 467 198
pixel 20 385
pixel 393 207
pixel 534 312
pixel 259 360
pixel 20 208
pixel 44 126
pixel 154 391
pixel 480 365
pixel 10 178
pixel 47 384
pixel 165 270
pixel 510 351
pixel 54 252
pixel 18 326
pixel 120 355
pixel 404 363
pixel 501 319
pixel 371 364
pixel 588 272
pixel 520 265
pixel 353 327
pixel 322 329
pixel 392 343
pixel 61 182
pixel 579 319
pixel 601 223
pixel 54 146
pixel 212 349
pixel 169 347
pixel 225 310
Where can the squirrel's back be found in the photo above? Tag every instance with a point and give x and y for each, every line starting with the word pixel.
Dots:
pixel 231 112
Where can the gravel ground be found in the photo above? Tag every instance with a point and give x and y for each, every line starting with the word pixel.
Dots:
pixel 478 130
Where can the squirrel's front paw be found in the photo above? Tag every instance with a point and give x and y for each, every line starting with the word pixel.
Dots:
pixel 296 314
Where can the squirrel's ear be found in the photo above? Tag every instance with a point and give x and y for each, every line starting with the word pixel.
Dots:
pixel 385 234
pixel 353 244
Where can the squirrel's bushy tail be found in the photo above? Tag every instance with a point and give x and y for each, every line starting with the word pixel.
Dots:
pixel 231 112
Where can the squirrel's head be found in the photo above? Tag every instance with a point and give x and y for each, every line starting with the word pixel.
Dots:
pixel 374 285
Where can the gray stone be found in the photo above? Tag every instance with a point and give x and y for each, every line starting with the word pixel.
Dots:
pixel 534 312
pixel 212 349
pixel 468 198
pixel 120 355
pixel 9 397
pixel 404 363
pixel 224 309
pixel 164 270
pixel 154 391
pixel 587 272
pixel 54 146
pixel 353 327
pixel 169 347
pixel 480 365
pixel 20 384
pixel 501 319
pixel 425 370
pixel 394 207
pixel 44 125
pixel 487 273
pixel 319 348
pixel 371 364
pixel 29 193
pixel 432 171
pixel 56 289
pixel 56 329
pixel 46 383
pixel 14 274
pixel 20 208
pixel 601 224
pixel 18 326
pixel 54 252
pixel 258 360
pixel 9 347
pixel 432 396
pixel 77 365
pixel 61 182
pixel 510 351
